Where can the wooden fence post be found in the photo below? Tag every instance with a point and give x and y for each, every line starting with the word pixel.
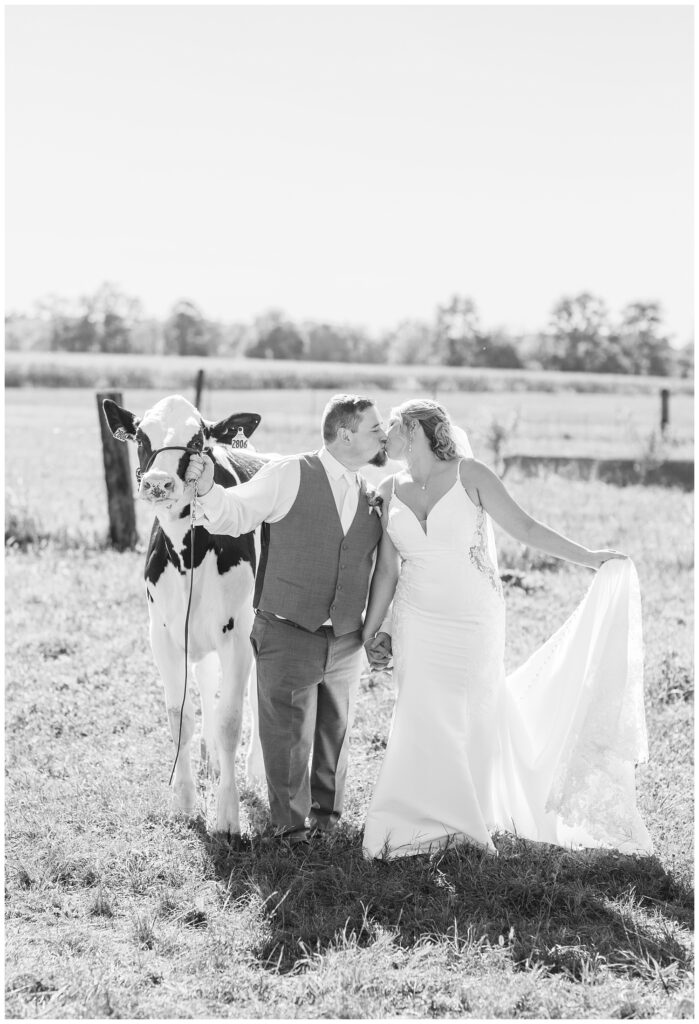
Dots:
pixel 199 389
pixel 664 409
pixel 117 475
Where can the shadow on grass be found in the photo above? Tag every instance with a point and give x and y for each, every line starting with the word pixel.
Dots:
pixel 555 909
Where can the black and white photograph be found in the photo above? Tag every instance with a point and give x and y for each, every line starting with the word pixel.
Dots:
pixel 349 511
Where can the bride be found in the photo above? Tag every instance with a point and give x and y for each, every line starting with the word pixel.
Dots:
pixel 547 753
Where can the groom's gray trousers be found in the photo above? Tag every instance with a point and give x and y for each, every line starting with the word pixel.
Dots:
pixel 306 685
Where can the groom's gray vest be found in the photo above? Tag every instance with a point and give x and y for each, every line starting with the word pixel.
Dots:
pixel 309 570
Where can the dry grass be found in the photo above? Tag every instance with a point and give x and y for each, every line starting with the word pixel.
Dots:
pixel 116 909
pixel 100 370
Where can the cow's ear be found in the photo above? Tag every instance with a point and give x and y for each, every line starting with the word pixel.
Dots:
pixel 122 423
pixel 226 429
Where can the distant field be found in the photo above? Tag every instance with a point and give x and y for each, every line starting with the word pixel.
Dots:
pixel 63 369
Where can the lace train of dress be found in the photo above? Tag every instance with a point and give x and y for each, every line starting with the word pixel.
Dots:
pixel 547 753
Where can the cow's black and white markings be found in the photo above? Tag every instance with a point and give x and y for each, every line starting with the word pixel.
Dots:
pixel 221 614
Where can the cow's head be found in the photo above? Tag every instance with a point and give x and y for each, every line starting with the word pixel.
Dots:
pixel 172 422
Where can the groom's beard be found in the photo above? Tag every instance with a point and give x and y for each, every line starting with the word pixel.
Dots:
pixel 380 459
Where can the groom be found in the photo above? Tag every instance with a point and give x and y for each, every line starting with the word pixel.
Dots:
pixel 318 542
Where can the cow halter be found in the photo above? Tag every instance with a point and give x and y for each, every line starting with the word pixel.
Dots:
pixel 169 448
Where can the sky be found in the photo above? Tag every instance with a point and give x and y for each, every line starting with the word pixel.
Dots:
pixel 352 164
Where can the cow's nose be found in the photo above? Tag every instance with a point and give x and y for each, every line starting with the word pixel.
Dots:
pixel 158 482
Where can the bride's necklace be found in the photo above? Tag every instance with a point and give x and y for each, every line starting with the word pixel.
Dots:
pixel 423 487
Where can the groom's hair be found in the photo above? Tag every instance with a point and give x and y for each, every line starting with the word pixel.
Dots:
pixel 343 411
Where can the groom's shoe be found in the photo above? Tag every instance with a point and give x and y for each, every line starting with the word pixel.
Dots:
pixel 323 825
pixel 320 836
pixel 292 836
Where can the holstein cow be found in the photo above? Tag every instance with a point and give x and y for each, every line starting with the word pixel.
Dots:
pixel 221 613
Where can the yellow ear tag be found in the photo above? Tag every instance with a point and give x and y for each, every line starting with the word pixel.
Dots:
pixel 240 440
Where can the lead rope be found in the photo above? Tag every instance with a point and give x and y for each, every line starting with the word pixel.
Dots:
pixel 193 507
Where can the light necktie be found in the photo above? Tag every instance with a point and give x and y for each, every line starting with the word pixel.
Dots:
pixel 349 502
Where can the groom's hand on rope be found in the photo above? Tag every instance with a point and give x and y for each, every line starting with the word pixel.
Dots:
pixel 379 650
pixel 200 471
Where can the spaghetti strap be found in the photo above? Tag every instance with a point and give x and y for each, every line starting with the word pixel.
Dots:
pixel 393 486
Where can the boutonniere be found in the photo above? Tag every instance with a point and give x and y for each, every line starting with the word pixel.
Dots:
pixel 375 502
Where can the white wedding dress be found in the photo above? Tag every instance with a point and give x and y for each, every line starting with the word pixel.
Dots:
pixel 547 753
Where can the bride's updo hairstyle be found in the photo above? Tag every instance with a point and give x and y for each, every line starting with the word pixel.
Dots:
pixel 434 420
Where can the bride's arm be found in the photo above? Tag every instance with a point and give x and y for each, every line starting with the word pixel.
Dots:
pixel 386 572
pixel 501 506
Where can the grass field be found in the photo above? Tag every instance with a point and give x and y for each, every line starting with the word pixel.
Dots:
pixel 116 909
pixel 99 370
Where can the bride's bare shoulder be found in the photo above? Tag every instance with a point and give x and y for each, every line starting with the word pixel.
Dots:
pixel 473 470
pixel 475 477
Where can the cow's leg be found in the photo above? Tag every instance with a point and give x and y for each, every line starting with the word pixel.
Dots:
pixel 254 764
pixel 170 661
pixel 208 678
pixel 236 662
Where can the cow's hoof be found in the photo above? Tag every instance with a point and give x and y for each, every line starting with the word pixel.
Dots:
pixel 185 805
pixel 186 813
pixel 233 839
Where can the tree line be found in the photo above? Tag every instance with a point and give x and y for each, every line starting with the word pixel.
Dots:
pixel 581 334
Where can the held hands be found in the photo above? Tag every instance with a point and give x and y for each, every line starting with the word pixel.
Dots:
pixel 378 650
pixel 200 471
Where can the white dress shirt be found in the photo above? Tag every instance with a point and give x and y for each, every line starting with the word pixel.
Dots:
pixel 344 485
pixel 269 495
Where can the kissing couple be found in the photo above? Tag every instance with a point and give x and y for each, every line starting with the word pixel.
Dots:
pixel 410 571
